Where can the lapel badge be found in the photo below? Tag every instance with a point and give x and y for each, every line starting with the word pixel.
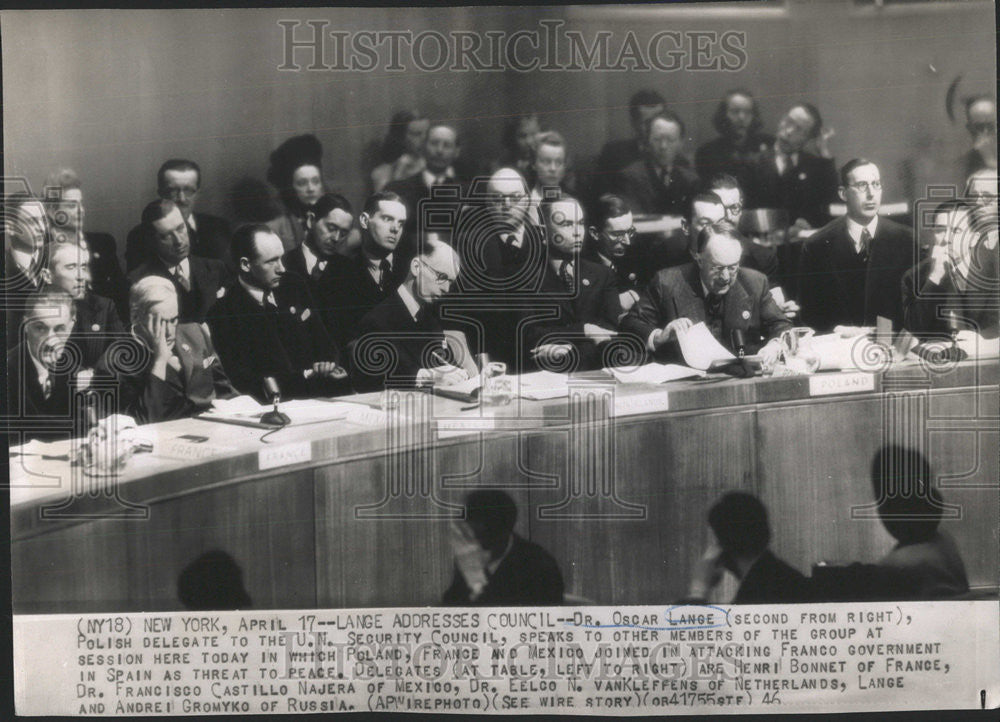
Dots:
pixel 585 281
pixel 185 347
pixel 292 310
pixel 95 254
pixel 96 327
pixel 221 292
pixel 631 276
pixel 746 315
pixel 305 314
pixel 802 176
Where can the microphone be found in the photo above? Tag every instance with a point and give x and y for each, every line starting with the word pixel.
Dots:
pixel 955 353
pixel 739 342
pixel 272 391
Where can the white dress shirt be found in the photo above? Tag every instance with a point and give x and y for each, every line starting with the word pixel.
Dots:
pixel 854 231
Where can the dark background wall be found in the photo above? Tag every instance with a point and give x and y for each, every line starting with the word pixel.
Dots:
pixel 113 93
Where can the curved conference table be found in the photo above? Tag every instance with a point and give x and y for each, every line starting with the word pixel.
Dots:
pixel 615 481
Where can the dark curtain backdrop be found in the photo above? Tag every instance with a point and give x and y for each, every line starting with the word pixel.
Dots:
pixel 113 93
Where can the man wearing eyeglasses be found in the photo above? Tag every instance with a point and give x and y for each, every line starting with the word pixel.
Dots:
pixel 611 235
pixel 408 321
pixel 714 290
pixel 316 260
pixel 850 270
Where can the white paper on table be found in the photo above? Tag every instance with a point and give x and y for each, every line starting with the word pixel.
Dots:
pixel 700 348
pixel 976 346
pixel 36 447
pixel 237 405
pixel 465 387
pixel 778 294
pixel 652 373
pixel 541 385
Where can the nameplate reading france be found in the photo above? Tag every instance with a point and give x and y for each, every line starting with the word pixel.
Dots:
pixel 850 383
pixel 284 455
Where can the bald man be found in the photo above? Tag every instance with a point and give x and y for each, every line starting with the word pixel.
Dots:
pixel 408 321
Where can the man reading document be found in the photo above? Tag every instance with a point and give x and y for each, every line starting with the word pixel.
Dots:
pixel 713 290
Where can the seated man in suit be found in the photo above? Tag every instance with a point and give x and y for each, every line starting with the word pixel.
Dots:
pixel 789 177
pixel 97 324
pixel 315 260
pixel 677 248
pixel 179 181
pixel 267 325
pixel 714 290
pixel 356 285
pixel 39 371
pixel 441 150
pixel 959 279
pixel 850 270
pixel 585 293
pixel 25 236
pixel 66 217
pixel 756 256
pixel 658 183
pixel 494 566
pixel 175 372
pixel 199 281
pixel 740 546
pixel 407 321
pixel 611 233
pixel 616 154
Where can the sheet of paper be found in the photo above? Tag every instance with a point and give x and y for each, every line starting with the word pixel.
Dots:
pixel 652 373
pixel 778 294
pixel 700 348
pixel 237 405
pixel 541 385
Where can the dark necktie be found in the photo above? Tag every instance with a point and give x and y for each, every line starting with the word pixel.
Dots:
pixel 384 269
pixel 713 304
pixel 317 270
pixel 866 242
pixel 566 274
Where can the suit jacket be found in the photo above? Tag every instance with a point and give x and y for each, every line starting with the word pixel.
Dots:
pixel 97 327
pixel 411 340
pixel 975 306
pixel 772 581
pixel 106 276
pixel 835 290
pixel 26 401
pixel 208 277
pixel 211 240
pixel 291 229
pixel 528 575
pixel 639 184
pixel 626 270
pixel 676 293
pixel 805 191
pixel 254 343
pixel 413 190
pixel 351 292
pixel 594 300
pixel 150 399
pixel 722 156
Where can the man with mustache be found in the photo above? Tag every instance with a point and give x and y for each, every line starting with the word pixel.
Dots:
pixel 850 270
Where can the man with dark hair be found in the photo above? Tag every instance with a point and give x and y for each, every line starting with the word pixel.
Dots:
pixel 742 536
pixel 850 270
pixel 714 290
pixel 441 150
pixel 740 142
pixel 356 285
pixel 611 233
pixel 199 281
pixel 266 324
pixel 39 372
pixel 788 177
pixel 494 566
pixel 316 259
pixel 758 256
pixel 589 308
pixel 666 250
pixel 407 321
pixel 179 181
pixel 925 562
pixel 959 279
pixel 657 183
pixel 617 154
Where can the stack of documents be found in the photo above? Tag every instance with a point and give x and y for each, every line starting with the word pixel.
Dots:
pixel 652 373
